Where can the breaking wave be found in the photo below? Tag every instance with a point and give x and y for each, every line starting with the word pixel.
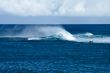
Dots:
pixel 90 37
pixel 47 32
pixel 39 33
pixel 84 37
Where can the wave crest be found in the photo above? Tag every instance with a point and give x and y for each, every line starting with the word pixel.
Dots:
pixel 48 32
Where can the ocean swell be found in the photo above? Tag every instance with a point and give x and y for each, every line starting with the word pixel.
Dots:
pixel 33 32
pixel 49 32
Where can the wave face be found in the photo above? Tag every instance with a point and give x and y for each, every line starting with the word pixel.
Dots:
pixel 49 32
pixel 79 33
pixel 39 32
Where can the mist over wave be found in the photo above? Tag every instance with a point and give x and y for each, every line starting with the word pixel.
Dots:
pixel 38 32
pixel 47 32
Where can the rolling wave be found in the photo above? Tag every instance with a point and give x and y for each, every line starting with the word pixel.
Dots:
pixel 90 37
pixel 50 33
pixel 81 37
pixel 55 35
pixel 38 32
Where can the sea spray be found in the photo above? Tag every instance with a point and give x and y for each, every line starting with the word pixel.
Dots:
pixel 51 31
pixel 37 32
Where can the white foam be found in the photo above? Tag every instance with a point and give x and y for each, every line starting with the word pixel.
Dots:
pixel 94 38
pixel 41 32
pixel 89 34
pixel 34 38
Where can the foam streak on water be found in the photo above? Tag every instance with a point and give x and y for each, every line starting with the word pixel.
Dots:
pixel 94 38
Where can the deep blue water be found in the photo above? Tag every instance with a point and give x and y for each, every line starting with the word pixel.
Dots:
pixel 54 56
pixel 78 28
pixel 93 28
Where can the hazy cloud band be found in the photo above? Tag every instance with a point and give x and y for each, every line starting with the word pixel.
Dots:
pixel 55 7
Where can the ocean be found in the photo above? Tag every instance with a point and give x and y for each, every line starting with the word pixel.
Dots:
pixel 55 48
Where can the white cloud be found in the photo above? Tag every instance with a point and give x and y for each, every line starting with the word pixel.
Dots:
pixel 80 8
pixel 27 7
pixel 98 8
pixel 56 7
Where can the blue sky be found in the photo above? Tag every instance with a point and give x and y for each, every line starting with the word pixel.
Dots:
pixel 54 11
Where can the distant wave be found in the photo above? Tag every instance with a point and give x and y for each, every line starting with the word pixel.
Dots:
pixel 37 32
pixel 81 37
pixel 88 37
pixel 48 38
pixel 50 33
pixel 62 35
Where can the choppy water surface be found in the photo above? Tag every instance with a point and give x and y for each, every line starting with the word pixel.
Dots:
pixel 54 57
pixel 55 49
